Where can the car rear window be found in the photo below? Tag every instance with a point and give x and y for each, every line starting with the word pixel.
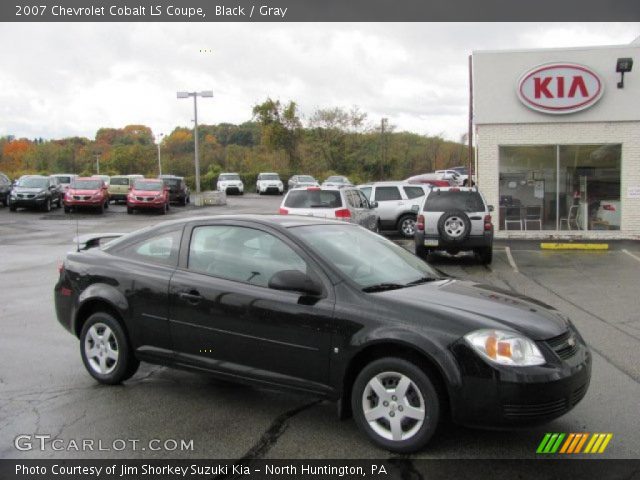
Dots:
pixel 413 192
pixel 313 199
pixel 387 193
pixel 63 179
pixel 442 201
pixel 119 181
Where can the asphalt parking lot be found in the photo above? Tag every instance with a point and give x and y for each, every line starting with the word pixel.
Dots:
pixel 44 388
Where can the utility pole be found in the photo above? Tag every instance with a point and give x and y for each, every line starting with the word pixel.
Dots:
pixel 383 146
pixel 97 163
pixel 195 96
pixel 159 163
pixel 470 139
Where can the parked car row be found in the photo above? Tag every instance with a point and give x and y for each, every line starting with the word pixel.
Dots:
pixel 270 182
pixel 73 192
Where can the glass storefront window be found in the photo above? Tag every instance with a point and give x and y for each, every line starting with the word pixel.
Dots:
pixel 560 187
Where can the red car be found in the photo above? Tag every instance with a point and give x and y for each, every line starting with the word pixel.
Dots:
pixel 433 179
pixel 148 194
pixel 86 192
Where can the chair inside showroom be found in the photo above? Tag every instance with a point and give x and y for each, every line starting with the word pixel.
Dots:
pixel 533 214
pixel 572 218
pixel 512 215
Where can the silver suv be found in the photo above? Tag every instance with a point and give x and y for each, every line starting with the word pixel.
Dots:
pixel 347 203
pixel 455 219
pixel 398 204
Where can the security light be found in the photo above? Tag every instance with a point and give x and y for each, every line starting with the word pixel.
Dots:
pixel 623 65
pixel 206 93
pixel 183 94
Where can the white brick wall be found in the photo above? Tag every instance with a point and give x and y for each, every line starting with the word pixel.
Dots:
pixel 490 137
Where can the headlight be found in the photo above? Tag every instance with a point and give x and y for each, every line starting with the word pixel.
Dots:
pixel 505 348
pixel 41 194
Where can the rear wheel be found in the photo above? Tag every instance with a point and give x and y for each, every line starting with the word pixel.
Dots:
pixel 396 404
pixel 407 226
pixel 105 350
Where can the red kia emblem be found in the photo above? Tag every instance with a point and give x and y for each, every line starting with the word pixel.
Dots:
pixel 559 88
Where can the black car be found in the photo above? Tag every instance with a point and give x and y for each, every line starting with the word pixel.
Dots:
pixel 36 191
pixel 325 307
pixel 178 189
pixel 5 189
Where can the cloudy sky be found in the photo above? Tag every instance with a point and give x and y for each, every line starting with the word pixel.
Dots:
pixel 71 79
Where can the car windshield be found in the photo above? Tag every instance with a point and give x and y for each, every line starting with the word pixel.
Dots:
pixel 148 186
pixel 350 249
pixel 119 181
pixel 313 199
pixel 87 184
pixel 271 176
pixel 230 176
pixel 306 178
pixel 33 182
pixel 171 182
pixel 336 179
pixel 442 201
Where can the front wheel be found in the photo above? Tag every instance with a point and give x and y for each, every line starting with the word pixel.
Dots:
pixel 105 350
pixel 47 205
pixel 396 404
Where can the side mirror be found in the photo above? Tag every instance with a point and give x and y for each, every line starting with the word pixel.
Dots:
pixel 373 205
pixel 491 209
pixel 295 281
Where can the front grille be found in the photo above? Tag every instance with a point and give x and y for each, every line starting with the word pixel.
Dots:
pixel 25 195
pixel 532 411
pixel 565 345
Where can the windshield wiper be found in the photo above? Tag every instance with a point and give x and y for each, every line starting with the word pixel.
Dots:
pixel 381 287
pixel 422 280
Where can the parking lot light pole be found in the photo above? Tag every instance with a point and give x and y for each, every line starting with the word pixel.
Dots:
pixel 159 163
pixel 195 95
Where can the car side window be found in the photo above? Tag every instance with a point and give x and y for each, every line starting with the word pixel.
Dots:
pixel 387 193
pixel 413 192
pixel 352 199
pixel 366 191
pixel 241 254
pixel 162 249
pixel 364 201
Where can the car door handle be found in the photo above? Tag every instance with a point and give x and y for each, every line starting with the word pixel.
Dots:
pixel 475 218
pixel 192 296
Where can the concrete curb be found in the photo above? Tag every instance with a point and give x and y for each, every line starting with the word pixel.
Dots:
pixel 574 246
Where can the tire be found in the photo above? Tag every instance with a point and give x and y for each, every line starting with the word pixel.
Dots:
pixel 422 252
pixel 421 401
pixel 164 209
pixel 407 225
pixel 13 208
pixel 106 204
pixel 485 255
pixel 184 201
pixel 59 203
pixel 454 226
pixel 47 205
pixel 129 211
pixel 105 350
pixel 101 208
pixel 67 209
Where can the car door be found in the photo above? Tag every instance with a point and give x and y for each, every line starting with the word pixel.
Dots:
pixel 390 203
pixel 225 318
pixel 370 215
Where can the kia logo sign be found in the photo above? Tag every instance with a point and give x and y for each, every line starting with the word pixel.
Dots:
pixel 560 88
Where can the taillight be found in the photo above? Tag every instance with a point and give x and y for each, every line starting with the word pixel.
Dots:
pixel 487 223
pixel 283 211
pixel 420 223
pixel 343 213
pixel 608 206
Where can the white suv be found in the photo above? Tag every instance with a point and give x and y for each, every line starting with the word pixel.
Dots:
pixel 230 183
pixel 455 219
pixel 269 183
pixel 398 204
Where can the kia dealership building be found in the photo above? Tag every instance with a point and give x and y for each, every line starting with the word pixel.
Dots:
pixel 558 140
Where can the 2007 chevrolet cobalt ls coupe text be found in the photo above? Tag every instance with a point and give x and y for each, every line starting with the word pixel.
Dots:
pixel 326 307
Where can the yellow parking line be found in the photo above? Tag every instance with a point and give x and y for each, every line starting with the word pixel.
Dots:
pixel 574 246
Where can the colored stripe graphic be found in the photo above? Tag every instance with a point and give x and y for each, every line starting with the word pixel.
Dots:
pixel 573 443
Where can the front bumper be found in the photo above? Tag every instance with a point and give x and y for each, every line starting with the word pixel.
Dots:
pixel 151 204
pixel 495 396
pixel 84 203
pixel 27 202
pixel 232 189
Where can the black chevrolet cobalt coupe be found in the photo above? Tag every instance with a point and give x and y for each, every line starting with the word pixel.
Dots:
pixel 325 307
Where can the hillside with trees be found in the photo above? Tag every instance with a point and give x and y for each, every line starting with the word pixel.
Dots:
pixel 331 141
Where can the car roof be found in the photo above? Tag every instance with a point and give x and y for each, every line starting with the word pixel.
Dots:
pixel 88 178
pixel 268 173
pixel 148 180
pixel 455 189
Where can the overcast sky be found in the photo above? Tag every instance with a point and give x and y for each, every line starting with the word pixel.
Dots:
pixel 61 80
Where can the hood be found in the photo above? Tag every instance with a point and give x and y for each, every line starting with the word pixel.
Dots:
pixel 481 306
pixel 28 190
pixel 73 191
pixel 146 193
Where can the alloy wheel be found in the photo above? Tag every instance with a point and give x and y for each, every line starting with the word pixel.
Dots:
pixel 454 226
pixel 101 349
pixel 408 227
pixel 393 406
